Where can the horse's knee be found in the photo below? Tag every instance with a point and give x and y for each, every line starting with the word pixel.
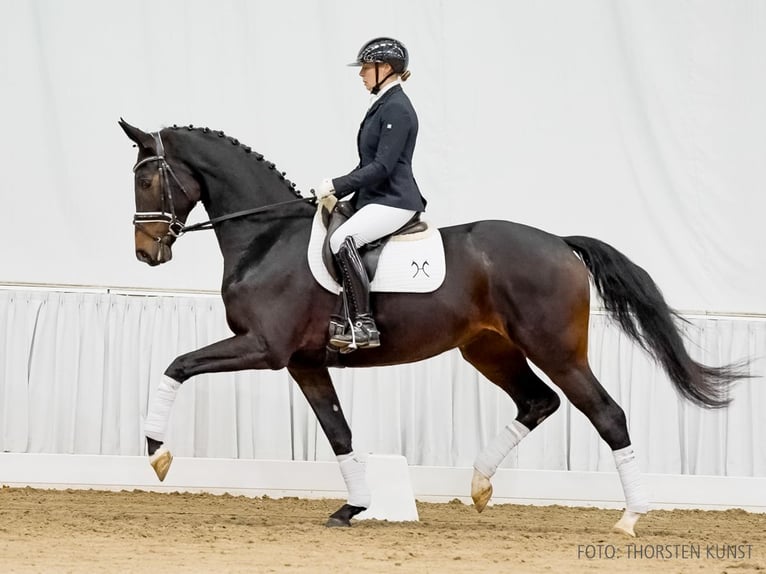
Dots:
pixel 176 370
pixel 534 411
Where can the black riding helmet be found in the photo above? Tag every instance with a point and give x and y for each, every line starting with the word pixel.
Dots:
pixel 383 50
pixel 380 50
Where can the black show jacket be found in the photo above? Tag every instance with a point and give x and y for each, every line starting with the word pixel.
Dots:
pixel 386 142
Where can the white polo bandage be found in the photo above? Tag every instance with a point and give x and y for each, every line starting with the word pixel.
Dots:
pixel 159 409
pixel 636 499
pixel 354 473
pixel 494 453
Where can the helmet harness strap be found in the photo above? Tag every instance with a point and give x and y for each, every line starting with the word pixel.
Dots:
pixel 376 88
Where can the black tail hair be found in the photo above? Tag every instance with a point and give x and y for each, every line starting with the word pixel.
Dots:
pixel 633 299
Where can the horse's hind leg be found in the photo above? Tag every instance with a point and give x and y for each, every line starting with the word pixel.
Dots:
pixel 319 391
pixel 504 364
pixel 585 392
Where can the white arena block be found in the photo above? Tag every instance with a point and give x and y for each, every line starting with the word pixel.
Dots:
pixel 392 496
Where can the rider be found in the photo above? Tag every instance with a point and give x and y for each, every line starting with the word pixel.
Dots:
pixel 386 195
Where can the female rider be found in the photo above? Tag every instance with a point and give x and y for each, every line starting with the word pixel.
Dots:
pixel 386 195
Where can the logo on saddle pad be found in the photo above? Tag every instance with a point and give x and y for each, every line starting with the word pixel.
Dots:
pixel 412 263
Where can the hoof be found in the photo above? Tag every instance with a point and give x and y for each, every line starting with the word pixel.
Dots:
pixel 342 517
pixel 627 523
pixel 337 523
pixel 160 462
pixel 481 490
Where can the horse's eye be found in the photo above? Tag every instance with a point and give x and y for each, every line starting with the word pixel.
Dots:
pixel 145 183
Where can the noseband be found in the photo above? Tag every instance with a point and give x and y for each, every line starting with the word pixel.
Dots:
pixel 168 212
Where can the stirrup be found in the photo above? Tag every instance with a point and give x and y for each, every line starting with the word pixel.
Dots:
pixel 337 325
pixel 364 334
pixel 337 328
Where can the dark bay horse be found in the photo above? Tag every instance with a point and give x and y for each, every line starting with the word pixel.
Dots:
pixel 512 295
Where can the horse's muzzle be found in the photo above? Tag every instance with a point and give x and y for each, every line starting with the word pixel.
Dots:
pixel 158 254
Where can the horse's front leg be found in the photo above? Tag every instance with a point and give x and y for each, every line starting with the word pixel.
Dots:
pixel 318 389
pixel 234 354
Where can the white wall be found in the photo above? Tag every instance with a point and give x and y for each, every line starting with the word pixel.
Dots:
pixel 641 123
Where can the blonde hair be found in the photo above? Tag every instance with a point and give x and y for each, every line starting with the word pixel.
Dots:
pixel 405 75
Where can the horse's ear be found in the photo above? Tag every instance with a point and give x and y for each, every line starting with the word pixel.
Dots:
pixel 141 138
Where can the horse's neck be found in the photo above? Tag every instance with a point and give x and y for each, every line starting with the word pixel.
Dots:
pixel 251 247
pixel 230 191
pixel 238 236
pixel 244 241
pixel 234 180
pixel 239 186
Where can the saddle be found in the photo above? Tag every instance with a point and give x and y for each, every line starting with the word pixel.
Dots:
pixel 333 218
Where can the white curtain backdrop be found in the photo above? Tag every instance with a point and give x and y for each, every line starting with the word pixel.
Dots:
pixel 78 368
pixel 638 122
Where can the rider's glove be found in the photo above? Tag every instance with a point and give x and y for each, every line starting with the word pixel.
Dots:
pixel 325 189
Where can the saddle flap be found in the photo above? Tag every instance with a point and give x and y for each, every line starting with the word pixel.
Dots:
pixel 370 253
pixel 412 263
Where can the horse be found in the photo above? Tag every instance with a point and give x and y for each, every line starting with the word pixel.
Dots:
pixel 512 295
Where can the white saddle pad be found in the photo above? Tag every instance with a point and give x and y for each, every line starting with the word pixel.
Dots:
pixel 408 264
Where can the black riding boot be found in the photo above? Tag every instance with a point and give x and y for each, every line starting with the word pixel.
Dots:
pixel 361 331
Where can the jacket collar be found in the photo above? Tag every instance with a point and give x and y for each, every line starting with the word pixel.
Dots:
pixel 383 97
pixel 392 84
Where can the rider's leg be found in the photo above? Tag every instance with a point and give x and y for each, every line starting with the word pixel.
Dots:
pixel 371 222
pixel 363 331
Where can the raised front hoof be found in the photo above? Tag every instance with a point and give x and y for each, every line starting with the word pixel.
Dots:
pixel 626 524
pixel 161 461
pixel 342 517
pixel 481 490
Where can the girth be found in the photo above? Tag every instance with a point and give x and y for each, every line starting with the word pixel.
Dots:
pixel 369 253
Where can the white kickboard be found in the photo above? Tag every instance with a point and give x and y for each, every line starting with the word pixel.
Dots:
pixel 392 496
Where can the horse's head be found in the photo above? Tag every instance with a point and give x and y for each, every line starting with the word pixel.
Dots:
pixel 165 193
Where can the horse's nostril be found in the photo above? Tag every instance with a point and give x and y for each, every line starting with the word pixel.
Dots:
pixel 143 256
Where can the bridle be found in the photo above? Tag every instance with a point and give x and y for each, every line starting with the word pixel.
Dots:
pixel 176 227
pixel 168 210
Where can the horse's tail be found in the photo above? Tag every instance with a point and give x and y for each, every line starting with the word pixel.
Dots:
pixel 633 299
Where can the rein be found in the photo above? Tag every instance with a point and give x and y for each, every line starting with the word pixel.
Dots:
pixel 176 227
pixel 205 225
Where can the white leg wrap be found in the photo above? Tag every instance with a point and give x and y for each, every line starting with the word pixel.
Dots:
pixel 636 499
pixel 354 474
pixel 159 409
pixel 494 453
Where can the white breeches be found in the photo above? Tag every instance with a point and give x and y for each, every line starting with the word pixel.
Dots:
pixel 371 222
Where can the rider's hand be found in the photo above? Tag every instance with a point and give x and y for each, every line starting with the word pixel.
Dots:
pixel 325 189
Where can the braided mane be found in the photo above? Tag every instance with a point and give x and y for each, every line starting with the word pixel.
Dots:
pixel 246 148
